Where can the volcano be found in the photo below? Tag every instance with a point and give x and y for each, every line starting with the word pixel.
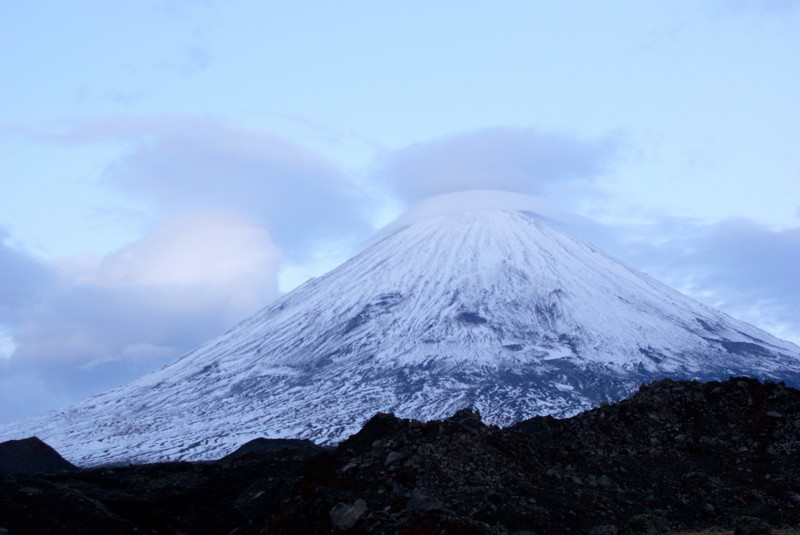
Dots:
pixel 492 310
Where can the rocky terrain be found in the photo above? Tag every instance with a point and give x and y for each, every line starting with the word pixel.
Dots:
pixel 676 456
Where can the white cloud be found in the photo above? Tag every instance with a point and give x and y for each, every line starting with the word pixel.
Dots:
pixel 511 159
pixel 212 247
pixel 187 164
pixel 184 163
pixel 183 282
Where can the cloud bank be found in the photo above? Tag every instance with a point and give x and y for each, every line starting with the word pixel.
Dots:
pixel 22 277
pixel 738 266
pixel 89 325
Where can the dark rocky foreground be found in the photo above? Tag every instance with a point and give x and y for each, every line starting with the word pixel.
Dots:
pixel 677 455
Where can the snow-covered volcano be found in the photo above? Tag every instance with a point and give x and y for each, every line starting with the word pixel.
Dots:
pixel 489 309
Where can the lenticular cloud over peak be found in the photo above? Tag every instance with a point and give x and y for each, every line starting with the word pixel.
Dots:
pixel 512 159
pixel 450 204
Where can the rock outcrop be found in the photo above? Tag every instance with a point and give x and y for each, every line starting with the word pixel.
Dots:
pixel 30 455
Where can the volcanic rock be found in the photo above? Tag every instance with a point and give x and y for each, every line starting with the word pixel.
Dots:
pixel 30 455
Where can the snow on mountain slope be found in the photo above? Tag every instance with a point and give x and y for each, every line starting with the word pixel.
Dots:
pixel 488 309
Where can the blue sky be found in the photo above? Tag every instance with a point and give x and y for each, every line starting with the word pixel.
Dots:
pixel 170 166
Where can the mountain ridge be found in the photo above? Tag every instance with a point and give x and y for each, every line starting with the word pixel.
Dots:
pixel 492 310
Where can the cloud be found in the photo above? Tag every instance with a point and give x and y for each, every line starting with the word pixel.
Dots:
pixel 22 392
pixel 22 277
pixel 183 163
pixel 477 200
pixel 106 322
pixel 738 265
pixel 215 247
pixel 511 159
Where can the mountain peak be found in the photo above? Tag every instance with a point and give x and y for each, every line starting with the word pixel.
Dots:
pixel 488 309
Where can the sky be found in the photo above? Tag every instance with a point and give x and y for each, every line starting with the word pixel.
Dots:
pixel 169 167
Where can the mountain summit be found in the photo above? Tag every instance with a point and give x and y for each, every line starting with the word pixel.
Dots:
pixel 491 310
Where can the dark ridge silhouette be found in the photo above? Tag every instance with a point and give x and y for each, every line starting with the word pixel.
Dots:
pixel 30 455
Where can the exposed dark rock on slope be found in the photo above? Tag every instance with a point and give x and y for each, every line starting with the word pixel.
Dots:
pixel 675 455
pixel 30 455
